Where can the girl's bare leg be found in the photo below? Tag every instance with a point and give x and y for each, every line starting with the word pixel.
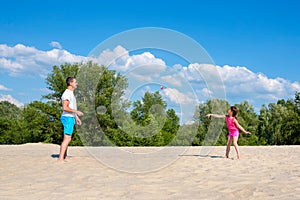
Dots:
pixel 229 141
pixel 236 146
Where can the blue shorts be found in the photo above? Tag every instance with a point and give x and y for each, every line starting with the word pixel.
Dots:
pixel 68 123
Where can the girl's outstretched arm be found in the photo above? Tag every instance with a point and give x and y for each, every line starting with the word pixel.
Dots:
pixel 240 127
pixel 215 116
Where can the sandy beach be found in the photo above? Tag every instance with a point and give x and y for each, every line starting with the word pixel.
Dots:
pixel 31 171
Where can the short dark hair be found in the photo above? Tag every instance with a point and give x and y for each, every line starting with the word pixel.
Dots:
pixel 234 111
pixel 69 80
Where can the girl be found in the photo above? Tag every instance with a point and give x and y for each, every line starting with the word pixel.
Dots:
pixel 233 129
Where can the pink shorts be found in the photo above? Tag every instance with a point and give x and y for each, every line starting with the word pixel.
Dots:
pixel 232 134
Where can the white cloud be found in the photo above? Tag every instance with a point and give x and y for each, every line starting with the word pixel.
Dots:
pixel 208 81
pixel 240 81
pixel 110 57
pixel 237 84
pixel 55 44
pixel 120 60
pixel 3 88
pixel 178 97
pixel 201 72
pixel 10 99
pixel 17 50
pixel 11 66
pixel 20 59
pixel 174 79
pixel 205 92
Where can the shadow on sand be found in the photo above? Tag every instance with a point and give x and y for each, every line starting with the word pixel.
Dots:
pixel 55 155
pixel 202 156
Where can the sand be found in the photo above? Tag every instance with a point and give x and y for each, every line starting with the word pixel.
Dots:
pixel 31 171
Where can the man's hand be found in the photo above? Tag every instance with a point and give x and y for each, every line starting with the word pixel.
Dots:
pixel 78 121
pixel 78 113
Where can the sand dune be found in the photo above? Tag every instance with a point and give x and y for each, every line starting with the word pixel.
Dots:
pixel 31 171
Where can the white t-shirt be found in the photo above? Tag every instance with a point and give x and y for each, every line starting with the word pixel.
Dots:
pixel 69 95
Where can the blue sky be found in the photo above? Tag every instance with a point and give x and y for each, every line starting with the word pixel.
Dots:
pixel 259 39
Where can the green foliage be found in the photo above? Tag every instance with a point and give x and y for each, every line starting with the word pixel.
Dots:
pixel 211 131
pixel 43 123
pixel 90 132
pixel 108 95
pixel 56 80
pixel 108 121
pixel 9 110
pixel 148 124
pixel 248 119
pixel 11 124
pixel 279 124
pixel 263 130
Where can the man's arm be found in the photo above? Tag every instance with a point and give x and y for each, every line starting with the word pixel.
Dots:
pixel 66 108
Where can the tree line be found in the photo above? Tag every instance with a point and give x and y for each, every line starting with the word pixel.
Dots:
pixel 111 119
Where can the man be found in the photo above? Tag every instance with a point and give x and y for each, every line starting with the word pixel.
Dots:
pixel 69 116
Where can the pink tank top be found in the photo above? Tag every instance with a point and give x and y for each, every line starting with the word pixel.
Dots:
pixel 232 128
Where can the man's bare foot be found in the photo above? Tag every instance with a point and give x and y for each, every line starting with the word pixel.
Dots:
pixel 68 158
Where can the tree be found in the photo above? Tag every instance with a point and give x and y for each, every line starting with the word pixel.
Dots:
pixel 109 95
pixel 107 121
pixel 152 124
pixel 11 124
pixel 211 131
pixel 98 88
pixel 9 110
pixel 297 101
pixel 263 130
pixel 88 76
pixel 172 122
pixel 150 103
pixel 56 81
pixel 98 92
pixel 248 119
pixel 214 132
pixel 42 122
pixel 280 123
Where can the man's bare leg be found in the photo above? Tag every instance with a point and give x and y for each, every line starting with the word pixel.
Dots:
pixel 64 147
